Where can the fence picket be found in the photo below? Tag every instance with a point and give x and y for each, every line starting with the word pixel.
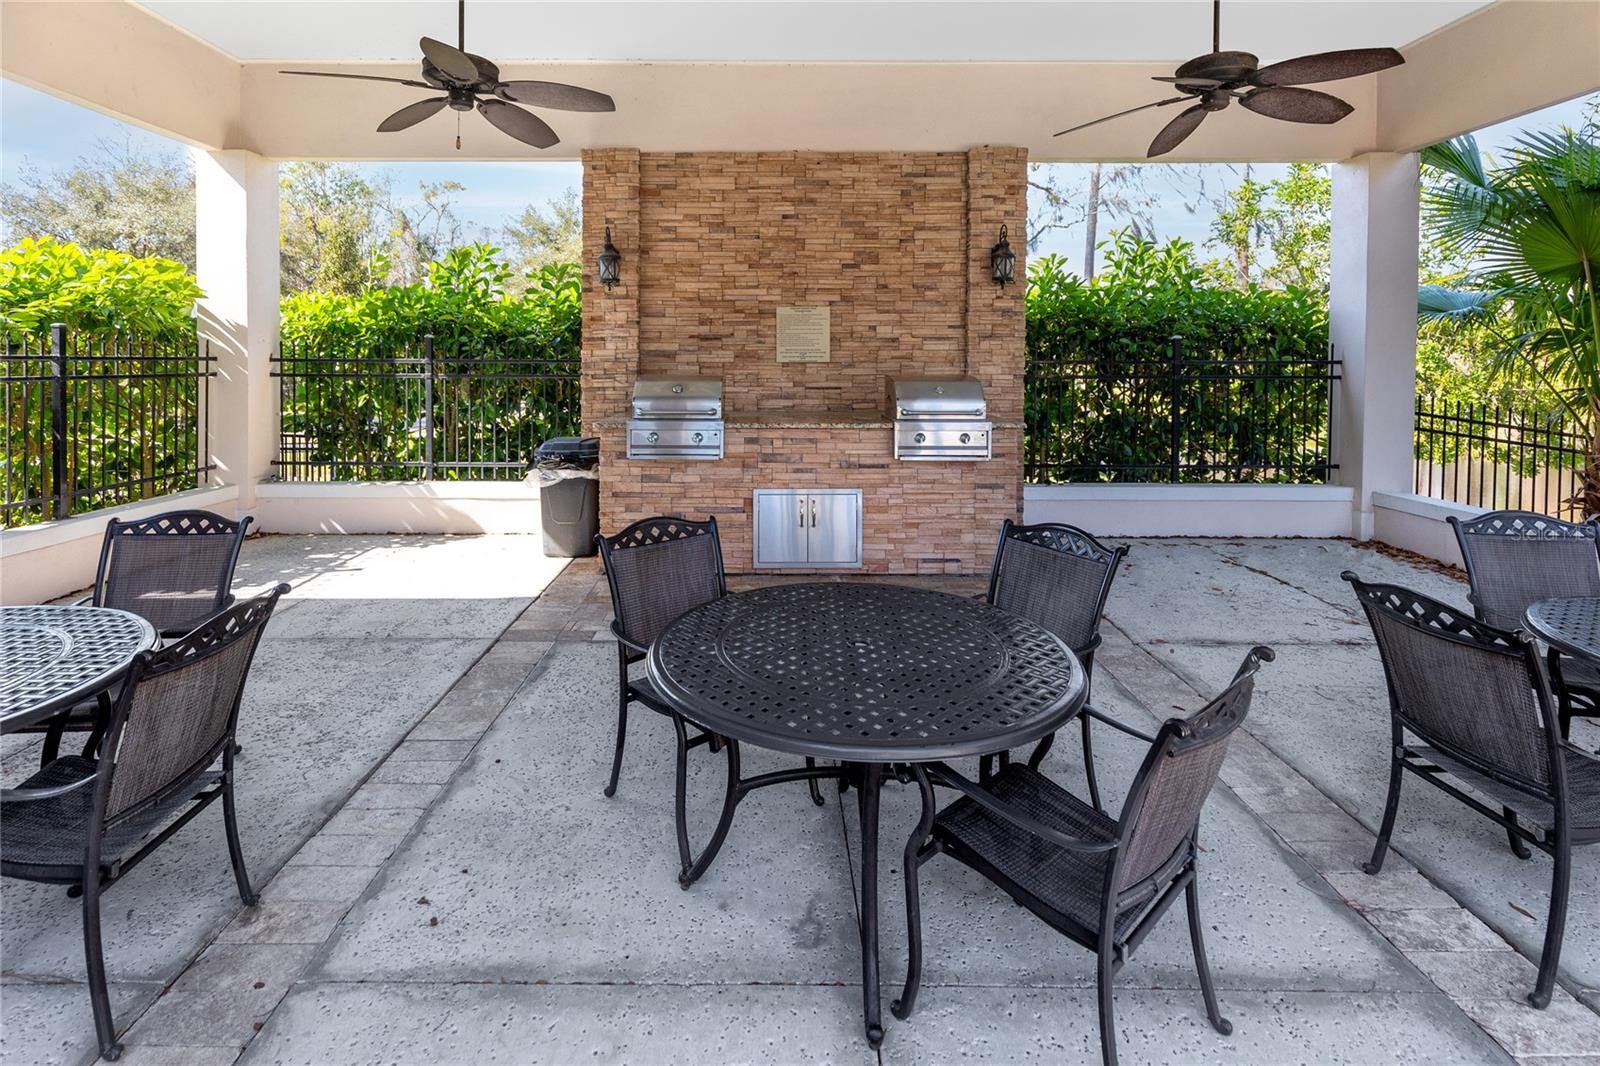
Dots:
pixel 1496 457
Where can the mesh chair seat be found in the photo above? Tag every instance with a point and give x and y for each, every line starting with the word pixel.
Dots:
pixel 645 691
pixel 1071 883
pixel 1581 676
pixel 51 833
pixel 1583 791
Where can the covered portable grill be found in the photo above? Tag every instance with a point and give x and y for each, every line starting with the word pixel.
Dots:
pixel 940 418
pixel 676 418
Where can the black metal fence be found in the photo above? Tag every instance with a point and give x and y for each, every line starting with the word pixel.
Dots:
pixel 1179 416
pixel 420 413
pixel 99 420
pixel 1497 457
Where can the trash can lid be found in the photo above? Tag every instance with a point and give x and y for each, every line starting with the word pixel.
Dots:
pixel 569 448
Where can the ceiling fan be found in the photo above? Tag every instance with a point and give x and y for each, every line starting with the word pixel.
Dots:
pixel 1211 82
pixel 471 81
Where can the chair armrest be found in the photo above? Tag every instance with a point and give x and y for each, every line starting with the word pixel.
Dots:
pixel 33 795
pixel 1123 726
pixel 943 775
pixel 625 642
pixel 85 602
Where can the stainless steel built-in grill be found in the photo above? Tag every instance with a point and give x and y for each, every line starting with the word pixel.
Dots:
pixel 940 418
pixel 676 418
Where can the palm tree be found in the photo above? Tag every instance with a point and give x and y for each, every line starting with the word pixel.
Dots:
pixel 1531 230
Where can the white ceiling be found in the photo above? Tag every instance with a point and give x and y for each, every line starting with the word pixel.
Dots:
pixel 807 31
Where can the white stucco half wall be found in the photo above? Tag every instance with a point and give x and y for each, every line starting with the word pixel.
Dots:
pixel 1194 510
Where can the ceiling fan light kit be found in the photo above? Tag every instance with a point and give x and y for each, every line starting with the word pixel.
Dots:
pixel 472 83
pixel 1213 81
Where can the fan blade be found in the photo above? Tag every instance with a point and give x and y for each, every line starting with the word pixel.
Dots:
pixel 1174 132
pixel 358 77
pixel 1328 66
pixel 1295 105
pixel 1191 83
pixel 450 60
pixel 1131 110
pixel 412 114
pixel 555 95
pixel 523 125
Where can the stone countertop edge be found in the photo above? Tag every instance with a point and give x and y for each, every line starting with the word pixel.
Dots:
pixel 800 420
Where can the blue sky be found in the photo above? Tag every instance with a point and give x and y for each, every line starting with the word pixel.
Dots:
pixel 50 133
pixel 1173 219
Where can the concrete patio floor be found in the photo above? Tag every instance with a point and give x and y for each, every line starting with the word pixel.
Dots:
pixel 425 748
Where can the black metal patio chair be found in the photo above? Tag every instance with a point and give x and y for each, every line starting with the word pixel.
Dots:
pixel 175 570
pixel 658 569
pixel 1102 882
pixel 166 756
pixel 1058 577
pixel 1478 701
pixel 1516 558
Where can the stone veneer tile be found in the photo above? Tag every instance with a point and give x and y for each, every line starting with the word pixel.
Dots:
pixel 381 796
pixel 896 244
pixel 218 1000
pixel 323 884
pixel 284 922
pixel 370 849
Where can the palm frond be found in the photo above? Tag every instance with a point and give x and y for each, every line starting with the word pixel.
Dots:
pixel 1442 306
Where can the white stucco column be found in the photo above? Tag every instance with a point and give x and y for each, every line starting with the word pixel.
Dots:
pixel 236 253
pixel 1372 312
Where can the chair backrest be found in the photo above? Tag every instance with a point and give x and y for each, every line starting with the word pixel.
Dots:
pixel 173 569
pixel 1057 577
pixel 179 709
pixel 1516 558
pixel 659 568
pixel 1476 692
pixel 1162 810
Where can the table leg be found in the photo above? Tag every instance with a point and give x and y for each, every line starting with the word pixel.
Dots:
pixel 913 862
pixel 867 801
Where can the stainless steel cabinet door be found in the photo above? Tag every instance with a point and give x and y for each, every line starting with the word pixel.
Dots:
pixel 834 527
pixel 782 520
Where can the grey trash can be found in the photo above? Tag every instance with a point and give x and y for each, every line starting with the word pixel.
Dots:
pixel 567 470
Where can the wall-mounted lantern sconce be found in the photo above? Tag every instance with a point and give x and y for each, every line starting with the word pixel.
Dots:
pixel 610 262
pixel 1003 261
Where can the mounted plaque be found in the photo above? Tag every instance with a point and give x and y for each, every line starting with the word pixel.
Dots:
pixel 803 334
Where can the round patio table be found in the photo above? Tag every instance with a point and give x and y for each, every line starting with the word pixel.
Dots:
pixel 1570 625
pixel 52 657
pixel 879 677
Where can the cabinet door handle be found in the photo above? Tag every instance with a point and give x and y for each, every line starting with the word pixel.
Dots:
pixel 802 512
pixel 813 512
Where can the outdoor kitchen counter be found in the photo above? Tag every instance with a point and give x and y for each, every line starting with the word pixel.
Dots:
pixel 799 420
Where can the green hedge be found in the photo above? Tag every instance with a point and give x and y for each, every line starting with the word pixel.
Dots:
pixel 1251 394
pixel 504 372
pixel 93 291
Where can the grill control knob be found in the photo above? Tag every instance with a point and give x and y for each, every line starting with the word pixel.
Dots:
pixel 921 438
pixel 966 438
pixel 653 437
pixel 698 437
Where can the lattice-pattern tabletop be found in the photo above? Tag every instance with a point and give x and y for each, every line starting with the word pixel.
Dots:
pixel 50 657
pixel 866 672
pixel 1573 625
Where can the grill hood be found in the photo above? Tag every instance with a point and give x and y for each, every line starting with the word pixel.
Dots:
pixel 675 397
pixel 946 399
